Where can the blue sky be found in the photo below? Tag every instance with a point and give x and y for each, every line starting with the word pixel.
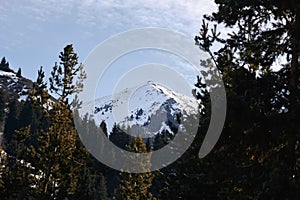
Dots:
pixel 33 32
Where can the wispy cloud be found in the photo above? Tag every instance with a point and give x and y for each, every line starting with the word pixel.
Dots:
pixel 184 16
pixel 109 15
pixel 29 24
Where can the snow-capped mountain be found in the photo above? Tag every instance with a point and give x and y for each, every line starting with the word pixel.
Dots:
pixel 14 86
pixel 146 110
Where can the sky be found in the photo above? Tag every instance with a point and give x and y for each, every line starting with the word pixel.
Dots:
pixel 33 32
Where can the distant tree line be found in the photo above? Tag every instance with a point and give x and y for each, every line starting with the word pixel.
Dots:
pixel 4 66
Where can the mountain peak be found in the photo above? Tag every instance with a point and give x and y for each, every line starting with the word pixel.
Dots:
pixel 150 105
pixel 151 82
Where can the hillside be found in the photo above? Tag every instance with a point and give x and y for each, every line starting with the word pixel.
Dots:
pixel 149 109
pixel 14 87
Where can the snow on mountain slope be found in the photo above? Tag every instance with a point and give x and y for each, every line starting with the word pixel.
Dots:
pixel 9 74
pixel 15 87
pixel 151 106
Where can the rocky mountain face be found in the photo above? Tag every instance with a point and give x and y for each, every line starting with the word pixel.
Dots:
pixel 145 110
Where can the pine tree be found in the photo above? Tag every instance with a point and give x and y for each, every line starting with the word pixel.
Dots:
pixel 54 151
pixel 136 186
pixel 63 75
pixel 39 95
pixel 104 128
pixel 19 73
pixel 257 145
pixel 102 189
pixel 4 65
pixel 4 170
pixel 162 139
pixel 12 121
pixel 35 108
pixel 55 156
pixel 26 114
pixel 119 137
pixel 47 158
pixel 2 110
pixel 19 180
pixel 60 155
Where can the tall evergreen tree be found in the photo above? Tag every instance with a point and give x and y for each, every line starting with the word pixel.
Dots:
pixel 2 110
pixel 63 77
pixel 12 121
pixel 266 30
pixel 104 128
pixel 60 154
pixel 58 159
pixel 258 141
pixel 136 186
pixel 103 188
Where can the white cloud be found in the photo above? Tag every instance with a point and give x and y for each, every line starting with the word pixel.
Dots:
pixel 106 15
pixel 28 24
pixel 180 15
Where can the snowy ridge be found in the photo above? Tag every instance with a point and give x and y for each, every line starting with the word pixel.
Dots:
pixel 15 87
pixel 8 74
pixel 151 105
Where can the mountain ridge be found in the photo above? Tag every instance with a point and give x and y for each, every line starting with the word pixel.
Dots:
pixel 14 86
pixel 148 108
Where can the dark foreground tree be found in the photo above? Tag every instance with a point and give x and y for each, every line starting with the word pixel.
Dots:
pixel 257 154
pixel 60 155
pixel 56 159
pixel 136 186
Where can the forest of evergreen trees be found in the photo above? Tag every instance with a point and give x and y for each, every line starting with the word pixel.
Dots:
pixel 257 156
